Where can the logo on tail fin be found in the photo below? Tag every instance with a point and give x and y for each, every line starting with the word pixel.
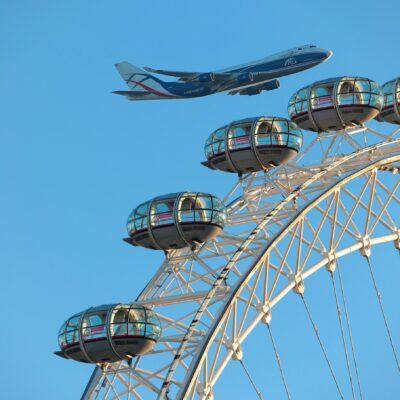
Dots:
pixel 140 81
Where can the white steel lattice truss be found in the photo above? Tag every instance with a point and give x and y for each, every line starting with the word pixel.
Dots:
pixel 282 227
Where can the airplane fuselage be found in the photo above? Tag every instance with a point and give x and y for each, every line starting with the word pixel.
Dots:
pixel 245 76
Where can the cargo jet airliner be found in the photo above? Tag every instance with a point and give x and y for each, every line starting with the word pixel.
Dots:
pixel 246 79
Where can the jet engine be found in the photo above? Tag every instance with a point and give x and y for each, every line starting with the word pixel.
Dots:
pixel 257 89
pixel 245 77
pixel 207 77
pixel 271 85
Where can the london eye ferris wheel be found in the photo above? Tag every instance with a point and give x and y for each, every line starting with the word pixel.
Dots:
pixel 294 211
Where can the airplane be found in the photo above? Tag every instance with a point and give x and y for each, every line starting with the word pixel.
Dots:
pixel 246 79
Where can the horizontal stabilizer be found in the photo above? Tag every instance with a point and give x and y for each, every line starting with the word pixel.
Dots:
pixel 131 93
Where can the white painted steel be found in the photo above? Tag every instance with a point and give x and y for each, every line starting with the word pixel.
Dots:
pixel 283 226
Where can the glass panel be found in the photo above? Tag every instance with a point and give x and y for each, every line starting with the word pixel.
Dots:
pixel 152 317
pixel 142 209
pixel 279 139
pixel 72 337
pixel 388 100
pixel 162 213
pixel 375 88
pixel 293 99
pixel 62 340
pixel 203 215
pixel 73 322
pixel 153 331
pixel 388 87
pixel 344 99
pixel 218 147
pixel 204 202
pixel 295 142
pixel 218 218
pixel 217 204
pixel 376 100
pixel 119 329
pixel 303 94
pixel 140 223
pixel 188 203
pixel 220 134
pixel 263 140
pixel 137 315
pixel 209 151
pixel 93 326
pixel 362 86
pixel 120 316
pixel 346 87
pixel 137 329
pixel 239 137
pixel 186 216
pixel 279 126
pixel 322 96
pixel 162 206
pixel 291 110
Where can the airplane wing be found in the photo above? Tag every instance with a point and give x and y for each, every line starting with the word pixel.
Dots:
pixel 193 76
pixel 179 74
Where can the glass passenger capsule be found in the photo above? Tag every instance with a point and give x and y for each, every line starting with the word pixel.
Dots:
pixel 391 102
pixel 176 220
pixel 109 333
pixel 253 144
pixel 335 104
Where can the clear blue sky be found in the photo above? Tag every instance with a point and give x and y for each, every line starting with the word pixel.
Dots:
pixel 75 159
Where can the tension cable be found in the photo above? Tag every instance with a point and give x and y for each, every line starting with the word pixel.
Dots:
pixel 349 330
pixel 379 296
pixel 279 361
pixel 251 380
pixel 321 345
pixel 342 333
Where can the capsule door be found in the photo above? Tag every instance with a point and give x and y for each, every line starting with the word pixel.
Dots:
pixel 240 148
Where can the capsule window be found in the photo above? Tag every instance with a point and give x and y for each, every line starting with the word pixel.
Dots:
pixel 239 137
pixel 162 213
pixel 93 325
pixel 321 96
pixel 215 144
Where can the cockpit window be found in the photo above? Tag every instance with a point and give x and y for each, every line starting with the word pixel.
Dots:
pixel 312 46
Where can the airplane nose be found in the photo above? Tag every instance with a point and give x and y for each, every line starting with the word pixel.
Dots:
pixel 329 54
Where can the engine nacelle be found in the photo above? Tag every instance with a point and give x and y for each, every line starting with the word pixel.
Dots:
pixel 271 85
pixel 245 77
pixel 207 77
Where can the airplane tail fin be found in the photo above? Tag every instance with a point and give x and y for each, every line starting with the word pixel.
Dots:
pixel 136 78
